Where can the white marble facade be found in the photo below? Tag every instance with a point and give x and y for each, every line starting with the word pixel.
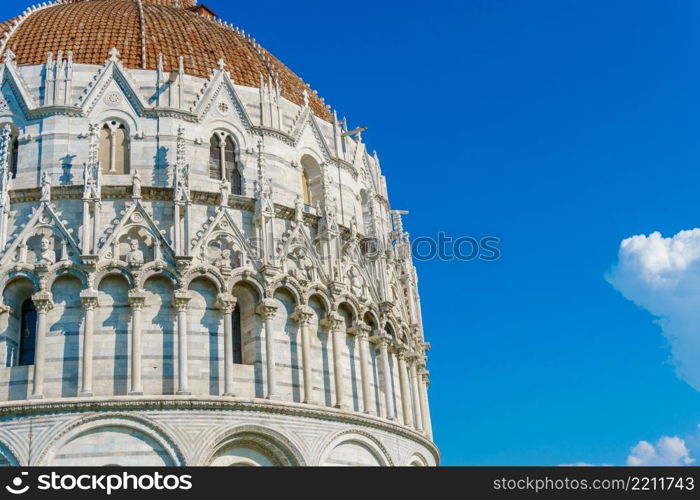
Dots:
pixel 182 319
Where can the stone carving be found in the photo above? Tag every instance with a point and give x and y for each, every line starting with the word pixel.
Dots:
pixel 225 189
pixel 46 253
pixel 136 183
pixel 182 171
pixel 92 173
pixel 113 99
pixel 135 256
pixel 263 186
pixel 5 173
pixel 298 209
pixel 357 282
pixel 46 187
pixel 300 265
pixel 227 261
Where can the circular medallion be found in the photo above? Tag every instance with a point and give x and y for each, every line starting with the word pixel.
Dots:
pixel 113 98
pixel 223 107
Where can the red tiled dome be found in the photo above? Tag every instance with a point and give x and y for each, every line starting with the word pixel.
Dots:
pixel 141 30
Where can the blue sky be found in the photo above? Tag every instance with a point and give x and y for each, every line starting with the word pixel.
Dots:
pixel 561 127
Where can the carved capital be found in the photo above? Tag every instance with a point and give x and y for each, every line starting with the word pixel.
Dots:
pixel 400 350
pixel 181 300
pixel 88 299
pixel 226 303
pixel 333 321
pixel 381 339
pixel 267 309
pixel 413 356
pixel 361 330
pixel 303 315
pixel 137 299
pixel 43 301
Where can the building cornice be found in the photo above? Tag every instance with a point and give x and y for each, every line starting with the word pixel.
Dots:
pixel 14 409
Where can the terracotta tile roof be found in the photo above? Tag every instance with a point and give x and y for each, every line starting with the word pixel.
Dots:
pixel 91 28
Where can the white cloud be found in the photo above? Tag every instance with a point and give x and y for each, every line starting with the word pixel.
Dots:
pixel 667 451
pixel 662 275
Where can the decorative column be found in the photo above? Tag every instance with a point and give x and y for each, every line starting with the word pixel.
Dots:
pixel 88 301
pixel 85 240
pixel 5 175
pixel 418 421
pixel 336 324
pixel 362 331
pixel 112 150
pixel 96 223
pixel 267 310
pixel 181 196
pixel 423 382
pixel 43 302
pixel 227 304
pixel 405 387
pixel 383 342
pixel 181 300
pixel 176 228
pixel 137 300
pixel 303 315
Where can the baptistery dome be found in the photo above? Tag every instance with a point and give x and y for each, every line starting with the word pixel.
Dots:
pixel 199 264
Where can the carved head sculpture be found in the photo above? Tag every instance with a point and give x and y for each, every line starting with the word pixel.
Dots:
pixel 45 244
pixel 134 244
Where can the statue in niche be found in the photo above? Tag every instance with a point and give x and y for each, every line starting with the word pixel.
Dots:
pixel 45 187
pixel 302 266
pixel 47 256
pixel 136 181
pixel 135 256
pixel 298 209
pixel 182 183
pixel 263 193
pixel 92 180
pixel 225 192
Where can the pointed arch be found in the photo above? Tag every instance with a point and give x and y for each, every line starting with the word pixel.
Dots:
pixel 115 147
pixel 224 160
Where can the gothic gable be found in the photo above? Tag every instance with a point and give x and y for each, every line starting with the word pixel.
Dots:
pixel 113 84
pixel 222 244
pixel 44 240
pixel 298 256
pixel 135 238
pixel 217 95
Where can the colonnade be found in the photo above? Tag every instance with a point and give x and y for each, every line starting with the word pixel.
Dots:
pixel 412 376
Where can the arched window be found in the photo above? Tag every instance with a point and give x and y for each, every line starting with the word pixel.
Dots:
pixel 366 213
pixel 305 189
pixel 215 158
pixel 223 161
pixel 27 333
pixel 311 186
pixel 237 336
pixel 114 150
pixel 14 153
